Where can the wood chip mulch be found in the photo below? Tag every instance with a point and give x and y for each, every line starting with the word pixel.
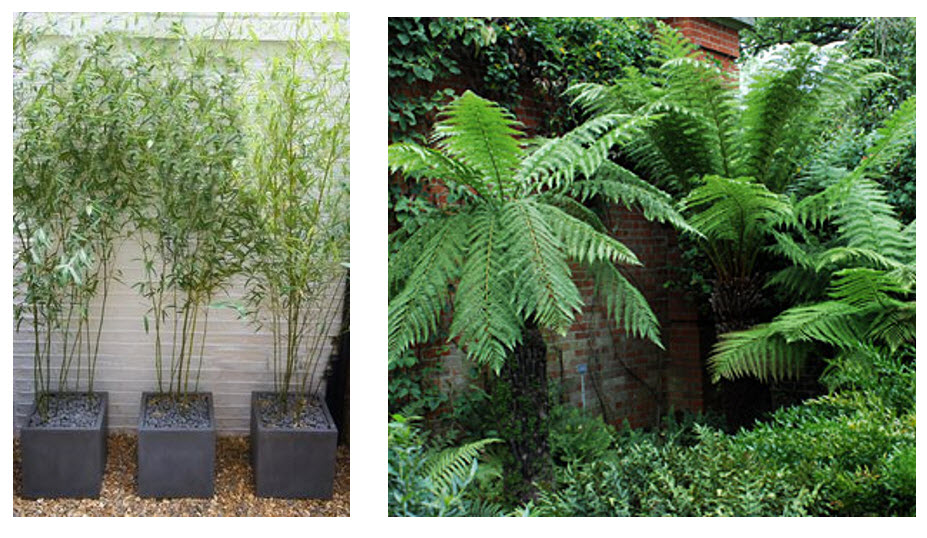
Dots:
pixel 234 489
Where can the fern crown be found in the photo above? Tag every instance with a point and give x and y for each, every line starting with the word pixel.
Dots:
pixel 502 259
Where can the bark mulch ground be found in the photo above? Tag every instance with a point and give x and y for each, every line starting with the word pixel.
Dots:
pixel 234 489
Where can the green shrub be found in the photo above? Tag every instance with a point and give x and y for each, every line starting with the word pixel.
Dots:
pixel 852 444
pixel 578 437
pixel 649 478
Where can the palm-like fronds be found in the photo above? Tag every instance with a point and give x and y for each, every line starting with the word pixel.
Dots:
pixel 506 251
pixel 734 215
pixel 868 265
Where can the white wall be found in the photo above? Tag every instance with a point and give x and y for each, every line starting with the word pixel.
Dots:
pixel 237 360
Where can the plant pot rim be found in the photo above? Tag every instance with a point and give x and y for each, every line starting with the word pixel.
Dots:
pixel 97 423
pixel 328 417
pixel 146 427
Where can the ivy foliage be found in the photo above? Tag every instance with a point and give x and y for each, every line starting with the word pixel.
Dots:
pixel 505 59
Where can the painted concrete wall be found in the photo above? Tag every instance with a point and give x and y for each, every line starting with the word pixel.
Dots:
pixel 237 358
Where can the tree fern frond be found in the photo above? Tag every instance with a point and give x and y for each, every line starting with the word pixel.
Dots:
pixel 621 186
pixel 895 326
pixel 625 303
pixel 484 317
pixel 580 152
pixel 862 287
pixel 571 206
pixel 414 312
pixel 482 135
pixel 759 352
pixel 581 242
pixel 833 322
pixel 846 256
pixel 542 284
pixel 733 209
pixel 418 162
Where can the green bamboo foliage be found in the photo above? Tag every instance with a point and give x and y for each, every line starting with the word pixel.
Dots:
pixel 296 181
pixel 73 109
pixel 502 257
pixel 189 217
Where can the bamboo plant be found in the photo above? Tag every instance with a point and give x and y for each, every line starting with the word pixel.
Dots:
pixel 71 182
pixel 298 169
pixel 190 223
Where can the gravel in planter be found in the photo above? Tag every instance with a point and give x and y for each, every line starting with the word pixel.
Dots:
pixel 68 410
pixel 167 411
pixel 300 412
pixel 234 489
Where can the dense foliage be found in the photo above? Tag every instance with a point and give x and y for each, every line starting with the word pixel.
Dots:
pixel 799 182
pixel 891 41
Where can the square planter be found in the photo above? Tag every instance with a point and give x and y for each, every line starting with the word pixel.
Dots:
pixel 176 461
pixel 60 461
pixel 292 462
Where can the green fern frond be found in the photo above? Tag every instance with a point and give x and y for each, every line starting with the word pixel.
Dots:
pixel 481 135
pixel 454 465
pixel 862 287
pixel 621 186
pixel 580 152
pixel 542 283
pixel 833 322
pixel 895 326
pixel 734 209
pixel 484 316
pixel 759 352
pixel 581 242
pixel 414 312
pixel 417 162
pixel 625 303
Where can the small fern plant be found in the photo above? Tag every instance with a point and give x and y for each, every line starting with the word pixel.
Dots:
pixel 501 258
pixel 425 481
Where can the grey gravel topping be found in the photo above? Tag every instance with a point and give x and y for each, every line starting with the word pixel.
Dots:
pixel 68 410
pixel 300 412
pixel 167 411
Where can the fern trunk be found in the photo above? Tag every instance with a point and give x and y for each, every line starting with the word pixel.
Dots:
pixel 528 416
pixel 737 304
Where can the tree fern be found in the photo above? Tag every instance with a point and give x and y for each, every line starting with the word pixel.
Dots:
pixel 867 263
pixel 501 259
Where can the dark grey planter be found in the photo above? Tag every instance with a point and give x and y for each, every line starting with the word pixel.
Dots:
pixel 176 462
pixel 292 463
pixel 64 461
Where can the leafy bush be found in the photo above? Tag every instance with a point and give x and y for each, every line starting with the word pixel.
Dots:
pixel 857 445
pixel 851 453
pixel 578 437
pixel 649 478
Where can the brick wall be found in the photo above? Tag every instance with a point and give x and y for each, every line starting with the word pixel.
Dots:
pixel 720 40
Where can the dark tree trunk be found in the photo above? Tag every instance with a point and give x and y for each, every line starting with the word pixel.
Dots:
pixel 738 304
pixel 527 428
